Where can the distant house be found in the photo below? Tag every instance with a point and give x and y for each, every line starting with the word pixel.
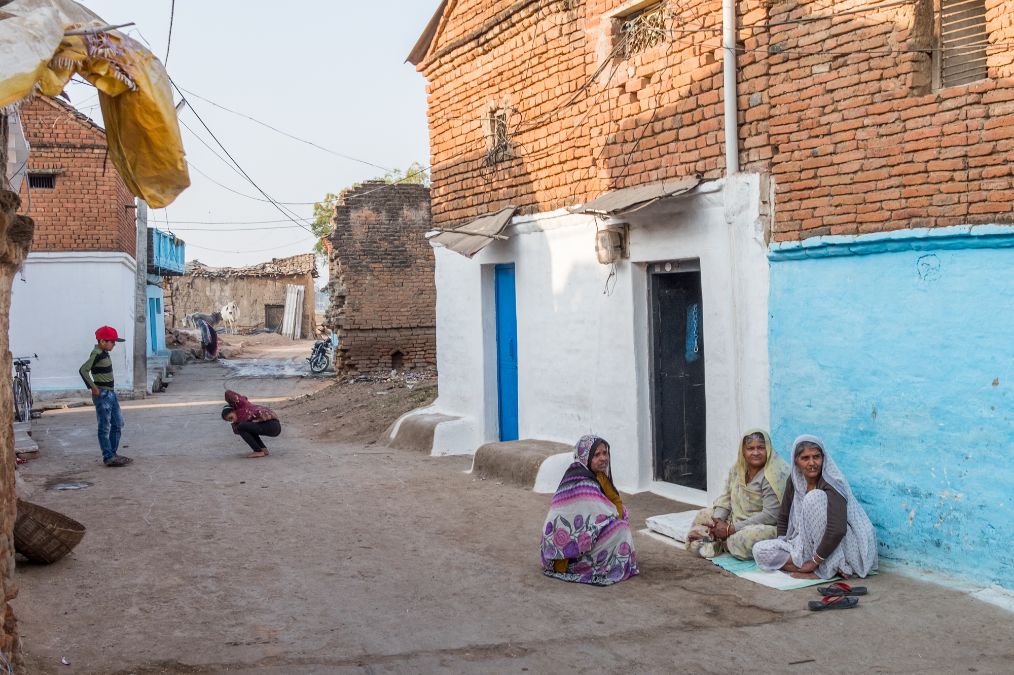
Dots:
pixel 80 273
pixel 258 290
pixel 383 297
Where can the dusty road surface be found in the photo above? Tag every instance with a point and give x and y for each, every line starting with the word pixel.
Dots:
pixel 331 557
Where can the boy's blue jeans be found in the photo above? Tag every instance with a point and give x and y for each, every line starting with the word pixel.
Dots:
pixel 107 410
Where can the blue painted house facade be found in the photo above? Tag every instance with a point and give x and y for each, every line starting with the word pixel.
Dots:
pixel 846 271
pixel 166 257
pixel 896 348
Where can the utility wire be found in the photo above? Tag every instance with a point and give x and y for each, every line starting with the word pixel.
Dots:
pixel 280 208
pixel 288 135
pixel 169 40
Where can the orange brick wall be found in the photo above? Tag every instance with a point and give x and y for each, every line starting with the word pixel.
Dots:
pixel 863 144
pixel 839 112
pixel 90 209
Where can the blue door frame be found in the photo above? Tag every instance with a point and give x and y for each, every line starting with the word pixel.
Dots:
pixel 506 351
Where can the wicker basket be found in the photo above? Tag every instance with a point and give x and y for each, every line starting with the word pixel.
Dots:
pixel 43 535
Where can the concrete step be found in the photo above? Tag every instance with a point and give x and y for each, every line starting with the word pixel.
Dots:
pixel 518 462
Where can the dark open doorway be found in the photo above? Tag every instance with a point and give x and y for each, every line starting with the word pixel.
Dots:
pixel 677 329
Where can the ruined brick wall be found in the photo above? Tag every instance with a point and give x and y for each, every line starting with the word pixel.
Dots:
pixel 90 208
pixel 836 103
pixel 383 297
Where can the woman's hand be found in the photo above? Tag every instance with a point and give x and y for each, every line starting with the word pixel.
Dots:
pixel 720 530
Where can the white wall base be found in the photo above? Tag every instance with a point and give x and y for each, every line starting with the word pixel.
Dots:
pixel 57 302
pixel 584 354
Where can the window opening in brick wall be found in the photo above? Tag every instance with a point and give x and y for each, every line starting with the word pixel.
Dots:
pixel 643 28
pixel 496 127
pixel 397 361
pixel 961 42
pixel 42 181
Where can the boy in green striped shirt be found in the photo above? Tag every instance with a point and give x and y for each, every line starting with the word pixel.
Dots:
pixel 97 373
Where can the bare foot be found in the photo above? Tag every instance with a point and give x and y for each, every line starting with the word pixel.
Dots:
pixel 259 453
pixel 804 575
pixel 789 567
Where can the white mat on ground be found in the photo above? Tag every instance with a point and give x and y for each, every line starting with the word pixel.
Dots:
pixel 673 525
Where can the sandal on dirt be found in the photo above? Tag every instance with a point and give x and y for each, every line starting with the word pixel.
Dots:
pixel 832 602
pixel 841 588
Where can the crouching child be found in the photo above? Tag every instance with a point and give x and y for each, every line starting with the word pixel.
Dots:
pixel 250 422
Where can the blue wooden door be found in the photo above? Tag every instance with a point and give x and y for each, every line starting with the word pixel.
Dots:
pixel 153 312
pixel 506 352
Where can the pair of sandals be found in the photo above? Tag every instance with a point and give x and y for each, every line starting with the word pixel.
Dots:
pixel 118 460
pixel 837 596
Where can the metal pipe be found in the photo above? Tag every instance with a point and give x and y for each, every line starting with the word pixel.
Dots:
pixel 730 92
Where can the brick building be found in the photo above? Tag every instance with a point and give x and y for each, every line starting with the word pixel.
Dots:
pixel 854 231
pixel 80 273
pixel 382 290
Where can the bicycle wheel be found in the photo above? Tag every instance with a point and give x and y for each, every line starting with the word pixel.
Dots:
pixel 22 402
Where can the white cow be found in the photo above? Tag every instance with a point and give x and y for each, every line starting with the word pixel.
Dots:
pixel 230 315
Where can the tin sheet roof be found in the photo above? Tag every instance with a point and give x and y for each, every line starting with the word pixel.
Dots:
pixel 476 235
pixel 617 202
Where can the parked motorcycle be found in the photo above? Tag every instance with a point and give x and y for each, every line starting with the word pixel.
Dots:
pixel 321 355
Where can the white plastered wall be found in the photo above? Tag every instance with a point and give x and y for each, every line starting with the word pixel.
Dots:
pixel 57 302
pixel 584 356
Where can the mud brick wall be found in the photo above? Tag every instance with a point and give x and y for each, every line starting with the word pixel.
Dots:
pixel 195 293
pixel 836 104
pixel 90 209
pixel 383 297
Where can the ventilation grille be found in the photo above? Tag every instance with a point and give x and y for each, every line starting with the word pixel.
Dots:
pixel 43 181
pixel 963 40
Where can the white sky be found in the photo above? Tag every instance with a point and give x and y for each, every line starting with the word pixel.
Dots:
pixel 330 72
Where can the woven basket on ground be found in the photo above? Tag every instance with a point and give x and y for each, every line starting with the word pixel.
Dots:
pixel 43 535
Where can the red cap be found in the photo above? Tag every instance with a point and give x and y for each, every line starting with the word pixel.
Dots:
pixel 108 333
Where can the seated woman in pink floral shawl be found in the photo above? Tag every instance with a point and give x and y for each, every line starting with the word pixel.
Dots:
pixel 587 535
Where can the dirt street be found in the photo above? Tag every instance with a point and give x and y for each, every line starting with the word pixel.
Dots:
pixel 332 557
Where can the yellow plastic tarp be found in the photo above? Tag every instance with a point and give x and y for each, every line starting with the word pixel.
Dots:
pixel 135 97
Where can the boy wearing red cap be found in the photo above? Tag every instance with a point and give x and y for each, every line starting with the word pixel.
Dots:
pixel 97 373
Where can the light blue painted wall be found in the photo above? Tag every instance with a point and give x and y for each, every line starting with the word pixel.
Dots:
pixel 157 322
pixel 903 360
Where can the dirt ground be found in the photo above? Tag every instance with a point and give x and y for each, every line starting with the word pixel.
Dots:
pixel 333 556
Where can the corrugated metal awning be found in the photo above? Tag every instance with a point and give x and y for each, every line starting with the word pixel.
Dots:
pixel 476 235
pixel 618 202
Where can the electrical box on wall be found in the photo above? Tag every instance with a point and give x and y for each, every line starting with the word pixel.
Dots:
pixel 611 244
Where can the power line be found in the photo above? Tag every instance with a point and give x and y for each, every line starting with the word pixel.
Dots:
pixel 235 229
pixel 169 40
pixel 288 135
pixel 280 209
pixel 230 222
pixel 258 250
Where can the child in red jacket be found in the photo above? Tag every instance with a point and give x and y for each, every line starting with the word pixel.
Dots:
pixel 250 421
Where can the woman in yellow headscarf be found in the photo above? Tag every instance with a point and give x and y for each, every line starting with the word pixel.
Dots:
pixel 747 510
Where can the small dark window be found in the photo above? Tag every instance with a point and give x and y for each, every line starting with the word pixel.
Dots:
pixel 643 28
pixel 961 42
pixel 397 361
pixel 496 129
pixel 42 181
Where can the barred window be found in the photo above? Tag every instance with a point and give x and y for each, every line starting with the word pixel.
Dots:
pixel 643 28
pixel 961 42
pixel 496 129
pixel 44 181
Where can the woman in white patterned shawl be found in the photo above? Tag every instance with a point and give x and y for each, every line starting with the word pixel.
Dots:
pixel 822 530
pixel 586 537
